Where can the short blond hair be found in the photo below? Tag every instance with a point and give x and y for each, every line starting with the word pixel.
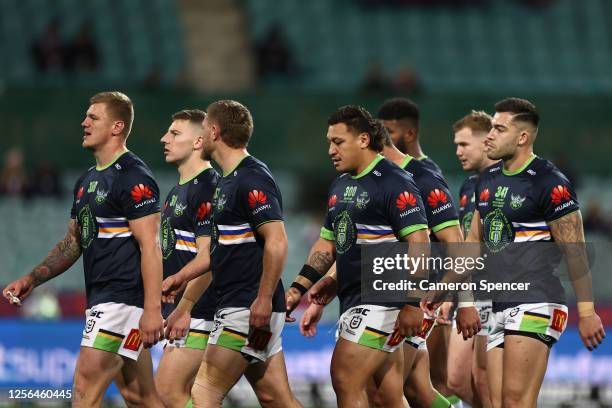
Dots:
pixel 477 121
pixel 119 106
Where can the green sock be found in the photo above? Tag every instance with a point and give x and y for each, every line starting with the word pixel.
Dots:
pixel 440 401
pixel 189 404
pixel 455 400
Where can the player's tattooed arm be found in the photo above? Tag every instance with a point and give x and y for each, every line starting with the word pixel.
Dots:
pixel 322 256
pixel 63 255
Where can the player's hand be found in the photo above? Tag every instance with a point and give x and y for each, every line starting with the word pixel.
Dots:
pixel 591 331
pixel 261 310
pixel 443 317
pixel 177 325
pixel 151 327
pixel 409 320
pixel 18 290
pixel 468 321
pixel 292 300
pixel 429 308
pixel 323 291
pixel 171 287
pixel 308 323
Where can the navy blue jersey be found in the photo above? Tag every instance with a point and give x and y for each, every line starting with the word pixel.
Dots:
pixel 440 209
pixel 105 199
pixel 185 217
pixel 245 199
pixel 381 204
pixel 517 207
pixel 467 202
pixel 432 165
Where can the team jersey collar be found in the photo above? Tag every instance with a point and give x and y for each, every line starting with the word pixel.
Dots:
pixel 521 169
pixel 106 166
pixel 238 165
pixel 407 160
pixel 369 168
pixel 183 182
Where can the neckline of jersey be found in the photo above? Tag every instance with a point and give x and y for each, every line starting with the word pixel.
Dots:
pixel 181 182
pixel 407 160
pixel 106 166
pixel 521 169
pixel 369 168
pixel 234 169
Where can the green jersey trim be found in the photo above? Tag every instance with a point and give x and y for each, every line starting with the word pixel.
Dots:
pixel 106 166
pixel 232 170
pixel 369 168
pixel 410 229
pixel 407 160
pixel 523 167
pixel 327 234
pixel 183 182
pixel 446 224
pixel 423 157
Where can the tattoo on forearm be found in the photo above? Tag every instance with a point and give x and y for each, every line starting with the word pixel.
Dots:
pixel 567 231
pixel 321 261
pixel 60 258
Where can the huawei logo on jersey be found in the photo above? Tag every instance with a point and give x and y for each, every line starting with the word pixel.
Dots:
pixel 203 211
pixel 404 200
pixel 559 194
pixel 436 197
pixel 257 197
pixel 484 195
pixel 332 201
pixel 80 193
pixel 140 192
pixel 463 201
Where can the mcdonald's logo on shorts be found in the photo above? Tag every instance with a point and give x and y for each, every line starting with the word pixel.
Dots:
pixel 133 340
pixel 558 320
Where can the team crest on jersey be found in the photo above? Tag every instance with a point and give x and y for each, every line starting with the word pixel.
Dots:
pixel 362 200
pixel 179 209
pixel 101 196
pixel 87 226
pixel 498 230
pixel 220 203
pixel 167 238
pixel 516 201
pixel 466 222
pixel 332 201
pixel 344 231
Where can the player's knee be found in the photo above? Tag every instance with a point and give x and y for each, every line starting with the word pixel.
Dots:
pixel 172 396
pixel 342 382
pixel 458 384
pixel 513 399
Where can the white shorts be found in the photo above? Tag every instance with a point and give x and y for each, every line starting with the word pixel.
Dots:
pixel 543 321
pixel 485 309
pixel 113 327
pixel 371 326
pixel 197 337
pixel 420 340
pixel 231 330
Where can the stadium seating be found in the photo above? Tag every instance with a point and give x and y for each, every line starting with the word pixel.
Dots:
pixel 503 44
pixel 135 39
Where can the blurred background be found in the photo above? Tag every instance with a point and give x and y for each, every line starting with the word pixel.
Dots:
pixel 292 63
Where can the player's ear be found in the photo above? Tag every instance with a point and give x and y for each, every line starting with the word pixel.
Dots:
pixel 198 142
pixel 364 140
pixel 118 127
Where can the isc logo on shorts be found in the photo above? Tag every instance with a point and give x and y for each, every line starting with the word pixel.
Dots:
pixel 133 340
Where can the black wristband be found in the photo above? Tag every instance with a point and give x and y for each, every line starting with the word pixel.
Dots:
pixel 299 287
pixel 310 273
